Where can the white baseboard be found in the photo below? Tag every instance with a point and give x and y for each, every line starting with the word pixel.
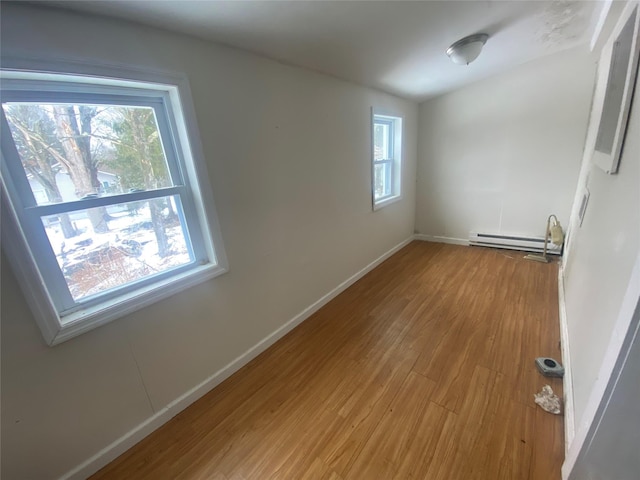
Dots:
pixel 128 440
pixel 438 239
pixel 567 382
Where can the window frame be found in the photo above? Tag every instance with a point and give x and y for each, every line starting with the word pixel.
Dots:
pixel 393 165
pixel 169 95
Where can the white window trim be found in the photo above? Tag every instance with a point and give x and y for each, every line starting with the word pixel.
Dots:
pixel 14 243
pixel 397 190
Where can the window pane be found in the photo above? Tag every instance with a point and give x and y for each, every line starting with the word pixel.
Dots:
pixel 382 180
pixel 138 240
pixel 72 151
pixel 381 143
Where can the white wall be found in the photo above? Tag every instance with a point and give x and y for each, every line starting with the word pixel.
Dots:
pixel 612 452
pixel 288 153
pixel 601 256
pixel 502 154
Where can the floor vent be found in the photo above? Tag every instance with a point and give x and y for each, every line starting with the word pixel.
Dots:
pixel 509 242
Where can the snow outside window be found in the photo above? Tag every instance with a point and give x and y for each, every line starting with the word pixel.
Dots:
pixel 387 154
pixel 104 196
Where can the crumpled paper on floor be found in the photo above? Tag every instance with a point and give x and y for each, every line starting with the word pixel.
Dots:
pixel 548 400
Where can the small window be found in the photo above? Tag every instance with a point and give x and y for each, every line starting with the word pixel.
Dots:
pixel 106 203
pixel 387 159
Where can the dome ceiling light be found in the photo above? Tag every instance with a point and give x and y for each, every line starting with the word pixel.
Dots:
pixel 466 50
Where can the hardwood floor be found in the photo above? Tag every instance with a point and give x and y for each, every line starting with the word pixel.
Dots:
pixel 424 369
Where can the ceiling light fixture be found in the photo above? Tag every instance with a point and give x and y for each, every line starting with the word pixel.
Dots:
pixel 466 50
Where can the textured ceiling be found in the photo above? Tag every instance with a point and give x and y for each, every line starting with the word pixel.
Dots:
pixel 394 46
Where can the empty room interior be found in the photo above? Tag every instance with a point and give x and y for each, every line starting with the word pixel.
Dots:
pixel 320 240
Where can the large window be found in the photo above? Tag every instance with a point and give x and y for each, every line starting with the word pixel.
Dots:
pixel 387 159
pixel 104 189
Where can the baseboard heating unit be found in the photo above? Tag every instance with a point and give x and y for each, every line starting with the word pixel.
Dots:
pixel 511 242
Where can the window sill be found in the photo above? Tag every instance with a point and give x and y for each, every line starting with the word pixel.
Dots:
pixel 82 321
pixel 386 201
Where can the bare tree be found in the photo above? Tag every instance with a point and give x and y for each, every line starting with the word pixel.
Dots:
pixel 75 139
pixel 33 133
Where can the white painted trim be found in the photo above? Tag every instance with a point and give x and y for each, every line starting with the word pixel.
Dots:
pixel 439 239
pixel 387 201
pixel 607 370
pixel 567 380
pixel 602 17
pixel 102 313
pixel 129 439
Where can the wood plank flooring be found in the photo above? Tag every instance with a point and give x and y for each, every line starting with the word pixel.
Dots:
pixel 424 369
